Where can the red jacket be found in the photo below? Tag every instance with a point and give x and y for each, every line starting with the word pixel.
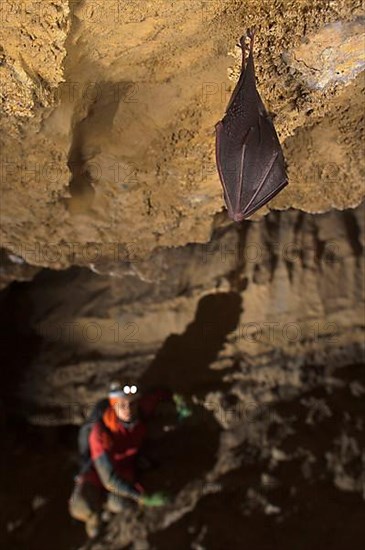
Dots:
pixel 114 447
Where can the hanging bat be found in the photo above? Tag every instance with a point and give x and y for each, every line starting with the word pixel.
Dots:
pixel 249 158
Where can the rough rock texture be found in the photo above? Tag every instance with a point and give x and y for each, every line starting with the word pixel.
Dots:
pixel 13 267
pixel 32 39
pixel 335 53
pixel 108 181
pixel 114 142
pixel 289 286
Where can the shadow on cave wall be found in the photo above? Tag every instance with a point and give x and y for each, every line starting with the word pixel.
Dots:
pixel 182 364
pixel 183 361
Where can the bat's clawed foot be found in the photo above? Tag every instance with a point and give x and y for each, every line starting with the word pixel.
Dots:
pixel 251 33
pixel 242 42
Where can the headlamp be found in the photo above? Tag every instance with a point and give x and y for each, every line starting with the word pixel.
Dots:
pixel 130 389
pixel 116 390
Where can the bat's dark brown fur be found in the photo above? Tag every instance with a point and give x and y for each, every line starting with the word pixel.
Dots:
pixel 249 158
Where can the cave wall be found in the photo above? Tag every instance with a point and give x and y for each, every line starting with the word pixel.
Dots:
pixel 298 279
pixel 108 118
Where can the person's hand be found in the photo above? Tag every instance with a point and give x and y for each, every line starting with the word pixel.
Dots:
pixel 154 500
pixel 182 409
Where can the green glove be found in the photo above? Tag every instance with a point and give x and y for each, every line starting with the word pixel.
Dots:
pixel 182 409
pixel 156 499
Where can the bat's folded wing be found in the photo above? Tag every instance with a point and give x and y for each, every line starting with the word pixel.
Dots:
pixel 251 168
pixel 264 172
pixel 229 163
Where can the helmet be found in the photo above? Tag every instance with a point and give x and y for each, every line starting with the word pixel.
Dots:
pixel 117 389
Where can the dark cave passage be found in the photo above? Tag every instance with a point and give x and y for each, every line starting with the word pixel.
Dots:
pixel 37 464
pixel 19 343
